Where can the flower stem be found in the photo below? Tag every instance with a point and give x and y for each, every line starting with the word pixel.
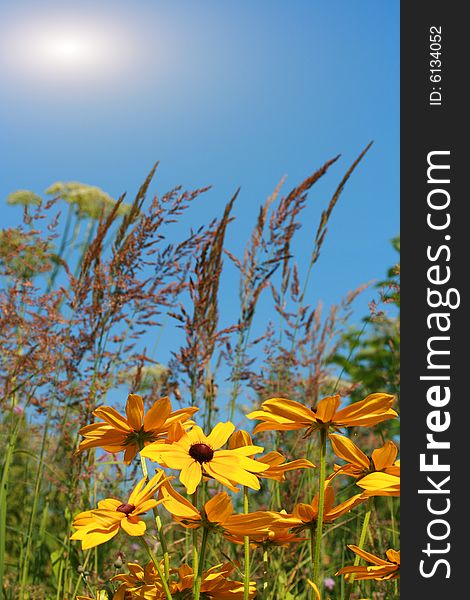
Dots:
pixel 157 567
pixel 265 573
pixel 158 521
pixel 246 543
pixel 202 555
pixel 195 553
pixel 321 505
pixel 362 539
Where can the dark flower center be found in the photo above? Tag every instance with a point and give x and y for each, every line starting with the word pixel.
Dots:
pixel 201 452
pixel 126 508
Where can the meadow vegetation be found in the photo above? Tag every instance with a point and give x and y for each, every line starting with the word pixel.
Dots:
pixel 247 465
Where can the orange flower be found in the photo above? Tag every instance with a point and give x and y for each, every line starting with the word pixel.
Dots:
pixel 273 537
pixel 276 461
pixel 94 527
pixel 382 459
pixel 381 569
pixel 378 476
pixel 280 414
pixel 379 484
pixel 129 435
pixel 215 511
pixel 305 515
pixel 140 582
pixel 215 583
pixel 218 513
pixel 146 583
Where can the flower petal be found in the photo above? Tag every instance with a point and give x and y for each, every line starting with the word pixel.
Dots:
pixel 348 451
pixel 219 477
pixel 99 536
pixel 384 457
pixel 232 471
pixel 367 556
pixel 158 414
pixel 239 439
pixel 380 484
pixel 327 408
pixel 191 475
pixel 135 411
pixel 111 416
pixel 289 409
pixel 177 504
pixel 373 409
pixel 219 508
pixel 133 526
pixel 393 556
pixel 220 434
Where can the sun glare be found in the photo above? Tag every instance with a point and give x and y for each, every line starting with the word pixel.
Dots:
pixel 72 51
pixel 68 51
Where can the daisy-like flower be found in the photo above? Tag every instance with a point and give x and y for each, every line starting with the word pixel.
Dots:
pixel 281 414
pixel 217 513
pixel 272 537
pixel 378 569
pixel 379 484
pixel 194 454
pixel 275 460
pixel 140 582
pixel 134 431
pixel 215 583
pixel 95 527
pixel 305 515
pixel 378 476
pixel 359 464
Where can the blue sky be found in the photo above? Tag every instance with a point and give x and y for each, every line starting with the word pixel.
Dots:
pixel 229 93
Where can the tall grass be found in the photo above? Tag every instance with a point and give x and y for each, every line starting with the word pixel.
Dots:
pixel 86 291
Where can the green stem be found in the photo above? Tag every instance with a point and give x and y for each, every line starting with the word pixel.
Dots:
pixel 321 505
pixel 202 555
pixel 4 493
pixel 246 543
pixel 195 553
pixel 32 517
pixel 362 539
pixel 265 573
pixel 158 521
pixel 157 567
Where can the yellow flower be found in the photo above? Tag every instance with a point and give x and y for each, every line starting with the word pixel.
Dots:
pixel 146 584
pixel 97 526
pixel 140 582
pixel 306 514
pixel 280 414
pixel 382 459
pixel 118 433
pixel 215 511
pixel 381 569
pixel 218 513
pixel 378 476
pixel 379 484
pixel 195 454
pixel 215 585
pixel 275 460
pixel 272 537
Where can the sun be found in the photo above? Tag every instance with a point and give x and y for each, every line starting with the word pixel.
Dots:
pixel 71 50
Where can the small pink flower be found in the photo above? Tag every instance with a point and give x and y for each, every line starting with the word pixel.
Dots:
pixel 329 583
pixel 18 410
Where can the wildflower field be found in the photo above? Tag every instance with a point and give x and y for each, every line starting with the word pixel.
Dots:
pixel 260 461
